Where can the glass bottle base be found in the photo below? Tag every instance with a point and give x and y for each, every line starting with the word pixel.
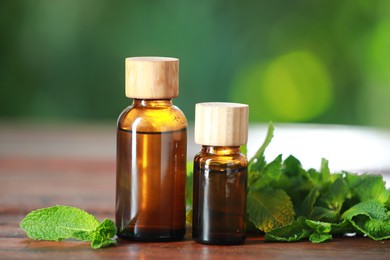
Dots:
pixel 153 235
pixel 221 240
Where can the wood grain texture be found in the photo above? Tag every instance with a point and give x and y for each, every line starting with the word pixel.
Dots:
pixel 221 124
pixel 152 77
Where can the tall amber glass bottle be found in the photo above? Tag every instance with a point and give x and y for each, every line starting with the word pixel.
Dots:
pixel 220 174
pixel 151 154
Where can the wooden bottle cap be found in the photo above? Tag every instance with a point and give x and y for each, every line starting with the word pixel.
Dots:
pixel 221 124
pixel 152 77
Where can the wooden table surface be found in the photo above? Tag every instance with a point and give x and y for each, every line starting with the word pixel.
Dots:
pixel 62 171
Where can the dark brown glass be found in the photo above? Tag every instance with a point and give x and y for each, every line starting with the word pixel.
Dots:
pixel 151 172
pixel 219 196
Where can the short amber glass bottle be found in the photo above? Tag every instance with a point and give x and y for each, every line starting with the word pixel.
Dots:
pixel 220 174
pixel 151 154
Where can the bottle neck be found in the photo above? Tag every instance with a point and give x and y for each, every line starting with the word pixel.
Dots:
pixel 154 103
pixel 221 150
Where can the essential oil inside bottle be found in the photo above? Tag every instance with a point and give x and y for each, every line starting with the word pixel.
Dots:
pixel 151 187
pixel 219 205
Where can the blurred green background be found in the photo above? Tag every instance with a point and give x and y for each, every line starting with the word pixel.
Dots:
pixel 291 61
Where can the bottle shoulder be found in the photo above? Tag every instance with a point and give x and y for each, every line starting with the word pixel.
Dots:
pixel 152 119
pixel 234 160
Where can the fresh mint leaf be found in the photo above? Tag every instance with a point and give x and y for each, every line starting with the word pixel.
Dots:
pixel 319 237
pixel 257 162
pixel 295 231
pixel 269 209
pixel 295 181
pixel 292 166
pixel 319 226
pixel 371 218
pixel 373 228
pixel 59 222
pixel 321 231
pixel 323 214
pixel 324 171
pixel 332 198
pixel 343 227
pixel 103 234
pixel 306 208
pixel 373 209
pixel 270 173
pixel 303 228
pixel 62 222
pixel 368 187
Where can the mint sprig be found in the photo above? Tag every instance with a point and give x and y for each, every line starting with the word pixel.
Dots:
pixel 64 222
pixel 322 205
